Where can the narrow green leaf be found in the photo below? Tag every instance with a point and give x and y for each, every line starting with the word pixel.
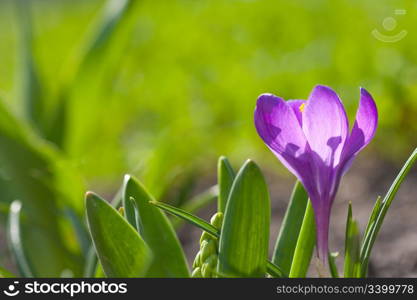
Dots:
pixel 187 216
pixel 290 228
pixel 92 266
pixel 225 177
pixel 379 219
pixel 80 230
pixel 372 217
pixel 352 246
pixel 243 245
pixel 38 175
pixel 113 14
pixel 348 222
pixel 272 268
pixel 196 203
pixel 120 249
pixel 156 230
pixel 15 239
pixel 99 271
pixel 33 101
pixel 91 263
pixel 305 245
pixel 332 264
pixel 86 76
pixel 6 273
pixel 371 223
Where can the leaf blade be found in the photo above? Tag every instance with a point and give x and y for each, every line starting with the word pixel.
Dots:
pixel 352 244
pixel 272 269
pixel 156 230
pixel 4 273
pixel 197 202
pixel 225 177
pixel 385 204
pixel 290 228
pixel 33 101
pixel 38 175
pixel 187 217
pixel 243 245
pixel 332 265
pixel 15 239
pixel 120 249
pixel 305 245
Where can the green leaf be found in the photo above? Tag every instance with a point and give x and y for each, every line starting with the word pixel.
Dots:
pixel 305 245
pixel 352 246
pixel 188 217
pixel 92 266
pixel 272 269
pixel 332 264
pixel 91 263
pixel 6 273
pixel 375 211
pixel 348 222
pixel 196 203
pixel 15 239
pixel 38 175
pixel 33 101
pixel 120 249
pixel 374 228
pixel 290 228
pixel 243 245
pixel 87 77
pixel 156 230
pixel 113 14
pixel 225 177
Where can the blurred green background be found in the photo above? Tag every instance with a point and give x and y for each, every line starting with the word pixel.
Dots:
pixel 93 89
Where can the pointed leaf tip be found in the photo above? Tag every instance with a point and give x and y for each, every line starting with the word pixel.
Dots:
pixel 225 177
pixel 156 230
pixel 122 252
pixel 247 214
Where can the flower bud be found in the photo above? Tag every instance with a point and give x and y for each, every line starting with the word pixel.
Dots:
pixel 204 237
pixel 217 220
pixel 197 273
pixel 205 262
pixel 207 250
pixel 197 260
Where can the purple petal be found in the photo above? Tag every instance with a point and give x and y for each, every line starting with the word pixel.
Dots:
pixel 326 128
pixel 278 126
pixel 325 124
pixel 365 124
pixel 362 132
pixel 297 106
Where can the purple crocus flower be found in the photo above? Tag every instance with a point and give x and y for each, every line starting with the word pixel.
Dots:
pixel 311 138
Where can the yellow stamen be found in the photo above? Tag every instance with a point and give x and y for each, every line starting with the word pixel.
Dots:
pixel 302 106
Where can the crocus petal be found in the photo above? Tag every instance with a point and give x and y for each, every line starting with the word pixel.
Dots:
pixel 298 107
pixel 325 124
pixel 365 124
pixel 278 126
pixel 362 132
pixel 326 129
